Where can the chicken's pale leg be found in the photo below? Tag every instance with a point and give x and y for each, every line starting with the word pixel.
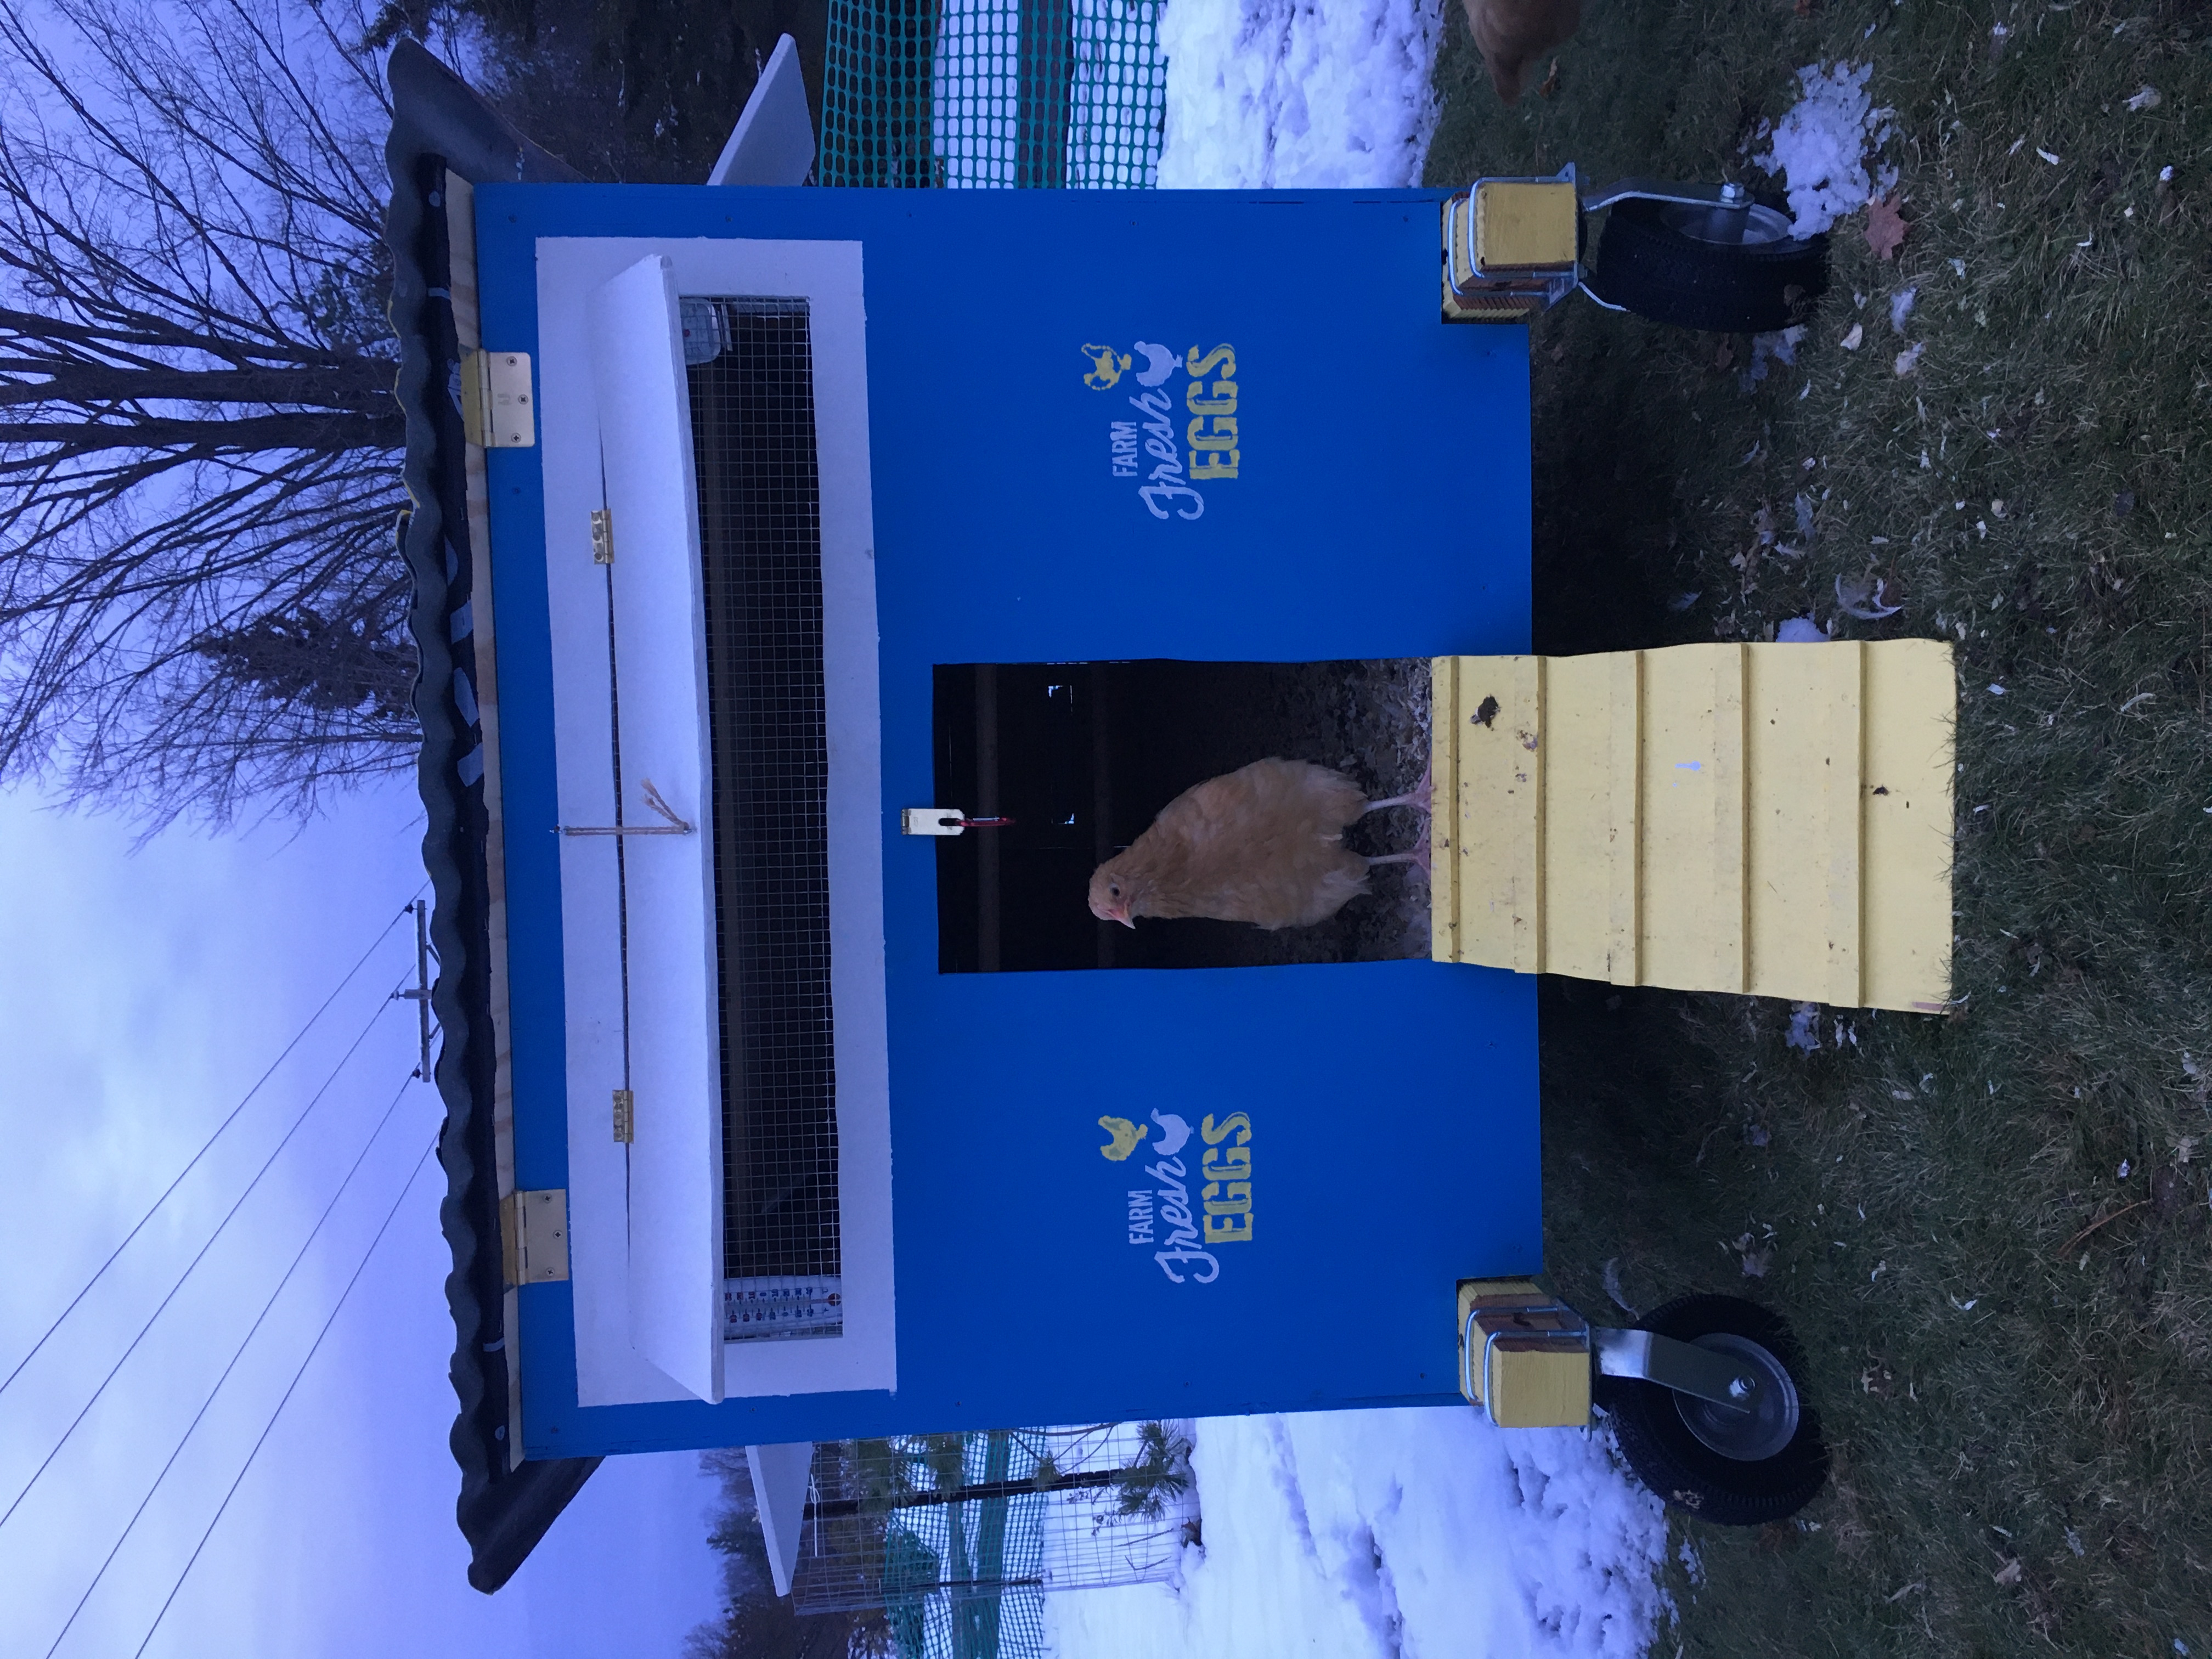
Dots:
pixel 1417 798
pixel 1419 855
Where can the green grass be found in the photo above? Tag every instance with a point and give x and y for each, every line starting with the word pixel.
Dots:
pixel 2064 1420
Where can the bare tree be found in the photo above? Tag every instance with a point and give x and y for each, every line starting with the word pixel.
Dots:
pixel 639 91
pixel 201 600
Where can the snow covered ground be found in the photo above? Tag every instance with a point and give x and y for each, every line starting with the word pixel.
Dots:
pixel 1321 93
pixel 1820 146
pixel 1428 1534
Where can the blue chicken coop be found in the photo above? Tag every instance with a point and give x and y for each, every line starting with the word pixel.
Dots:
pixel 796 457
pixel 764 538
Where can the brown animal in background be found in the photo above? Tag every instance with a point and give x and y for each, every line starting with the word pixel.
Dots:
pixel 1262 844
pixel 1513 33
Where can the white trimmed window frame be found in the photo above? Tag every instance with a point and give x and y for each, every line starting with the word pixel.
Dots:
pixel 609 1369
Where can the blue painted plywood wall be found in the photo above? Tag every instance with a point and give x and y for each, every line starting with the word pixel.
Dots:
pixel 1379 507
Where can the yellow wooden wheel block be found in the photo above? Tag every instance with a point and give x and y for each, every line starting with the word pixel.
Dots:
pixel 1524 1357
pixel 1769 819
pixel 1525 224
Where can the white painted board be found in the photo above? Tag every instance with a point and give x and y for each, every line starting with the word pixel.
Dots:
pixel 660 668
pixel 781 1475
pixel 773 143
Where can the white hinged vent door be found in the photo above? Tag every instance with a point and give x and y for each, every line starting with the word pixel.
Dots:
pixel 670 981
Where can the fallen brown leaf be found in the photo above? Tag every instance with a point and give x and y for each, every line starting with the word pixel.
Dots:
pixel 1885 229
pixel 1724 356
pixel 1551 87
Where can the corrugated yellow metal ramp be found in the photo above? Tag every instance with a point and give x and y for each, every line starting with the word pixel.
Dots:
pixel 1773 819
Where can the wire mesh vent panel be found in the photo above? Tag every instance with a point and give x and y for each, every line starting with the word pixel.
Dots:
pixel 993 94
pixel 752 429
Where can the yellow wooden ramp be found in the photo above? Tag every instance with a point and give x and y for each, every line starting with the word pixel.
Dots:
pixel 1773 819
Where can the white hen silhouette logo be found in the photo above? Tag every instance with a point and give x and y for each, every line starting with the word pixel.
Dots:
pixel 1160 361
pixel 1174 1131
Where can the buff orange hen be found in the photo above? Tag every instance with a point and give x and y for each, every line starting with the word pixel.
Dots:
pixel 1514 33
pixel 1262 844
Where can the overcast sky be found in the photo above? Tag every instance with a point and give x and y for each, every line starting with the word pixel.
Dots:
pixel 141 996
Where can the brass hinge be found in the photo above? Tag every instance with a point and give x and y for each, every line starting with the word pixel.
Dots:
pixel 625 1116
pixel 533 1236
pixel 496 411
pixel 603 535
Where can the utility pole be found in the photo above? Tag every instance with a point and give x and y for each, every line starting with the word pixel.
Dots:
pixel 420 996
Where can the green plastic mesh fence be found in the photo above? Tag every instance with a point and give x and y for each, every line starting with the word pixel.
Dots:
pixel 993 94
pixel 964 1580
pixel 957 1537
pixel 1118 99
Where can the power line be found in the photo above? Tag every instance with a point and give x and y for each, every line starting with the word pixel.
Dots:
pixel 218 1233
pixel 281 1404
pixel 316 1232
pixel 298 1037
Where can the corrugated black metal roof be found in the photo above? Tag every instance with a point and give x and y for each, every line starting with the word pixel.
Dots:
pixel 439 124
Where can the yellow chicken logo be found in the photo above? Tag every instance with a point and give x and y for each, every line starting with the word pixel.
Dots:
pixel 1126 1136
pixel 1106 367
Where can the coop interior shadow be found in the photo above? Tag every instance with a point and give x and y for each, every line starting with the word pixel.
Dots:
pixel 1083 756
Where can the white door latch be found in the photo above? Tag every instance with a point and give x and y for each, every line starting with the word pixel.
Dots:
pixel 943 821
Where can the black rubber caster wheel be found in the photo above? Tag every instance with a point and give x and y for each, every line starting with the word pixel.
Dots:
pixel 1681 265
pixel 1740 1468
